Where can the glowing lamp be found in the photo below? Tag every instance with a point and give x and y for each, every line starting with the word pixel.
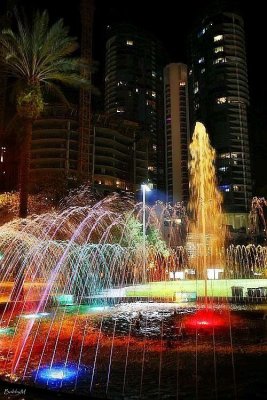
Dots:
pixel 65 299
pixel 60 374
pixel 205 319
pixel 214 273
pixel 97 308
pixel 57 374
pixel 7 331
pixel 34 316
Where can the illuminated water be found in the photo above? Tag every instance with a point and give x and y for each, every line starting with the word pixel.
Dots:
pixel 68 318
pixel 206 237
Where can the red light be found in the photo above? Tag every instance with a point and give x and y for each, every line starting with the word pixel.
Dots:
pixel 206 319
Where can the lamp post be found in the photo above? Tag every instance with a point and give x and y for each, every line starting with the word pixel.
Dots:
pixel 145 188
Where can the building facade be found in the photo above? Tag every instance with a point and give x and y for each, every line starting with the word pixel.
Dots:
pixel 134 89
pixel 176 132
pixel 118 155
pixel 218 87
pixel 55 146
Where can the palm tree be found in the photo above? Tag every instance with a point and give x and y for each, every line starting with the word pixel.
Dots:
pixel 38 58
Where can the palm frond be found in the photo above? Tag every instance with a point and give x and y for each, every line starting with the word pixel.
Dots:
pixel 55 90
pixel 37 53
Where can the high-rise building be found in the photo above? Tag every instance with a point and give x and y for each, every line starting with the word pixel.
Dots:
pixel 118 155
pixel 176 132
pixel 134 89
pixel 55 147
pixel 85 131
pixel 218 86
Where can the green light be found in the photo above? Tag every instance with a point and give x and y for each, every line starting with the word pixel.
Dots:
pixel 65 299
pixel 216 288
pixel 85 309
pixel 8 331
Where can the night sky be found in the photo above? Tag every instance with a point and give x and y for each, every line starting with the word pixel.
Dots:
pixel 172 26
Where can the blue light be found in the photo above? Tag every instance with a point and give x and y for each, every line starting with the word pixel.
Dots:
pixel 57 373
pixel 225 188
pixel 60 374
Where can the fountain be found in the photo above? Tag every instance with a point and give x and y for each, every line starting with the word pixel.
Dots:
pixel 78 315
pixel 206 232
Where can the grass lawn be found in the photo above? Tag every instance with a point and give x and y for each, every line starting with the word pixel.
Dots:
pixel 216 288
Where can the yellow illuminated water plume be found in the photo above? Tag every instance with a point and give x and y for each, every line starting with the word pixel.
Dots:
pixel 206 236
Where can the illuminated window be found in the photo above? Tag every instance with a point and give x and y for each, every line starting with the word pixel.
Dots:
pixel 129 43
pixel 153 94
pixel 218 49
pixel 151 168
pixel 2 153
pixel 120 110
pixel 225 188
pixel 225 155
pixel 190 72
pixel 219 60
pixel 203 70
pixel 221 100
pixel 202 32
pixel 223 169
pixel 236 188
pixel 196 87
pixel 201 60
pixel 218 38
pixel 136 90
pixel 153 74
pixel 196 106
pixel 154 147
pixel 182 83
pixel 234 155
pixel 235 100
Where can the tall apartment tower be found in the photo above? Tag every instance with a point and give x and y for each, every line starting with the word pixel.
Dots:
pixel 134 89
pixel 176 132
pixel 85 131
pixel 218 88
pixel 55 147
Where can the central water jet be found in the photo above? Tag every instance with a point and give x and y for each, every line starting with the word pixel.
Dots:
pixel 206 230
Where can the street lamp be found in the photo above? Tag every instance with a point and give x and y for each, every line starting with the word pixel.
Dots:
pixel 145 188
